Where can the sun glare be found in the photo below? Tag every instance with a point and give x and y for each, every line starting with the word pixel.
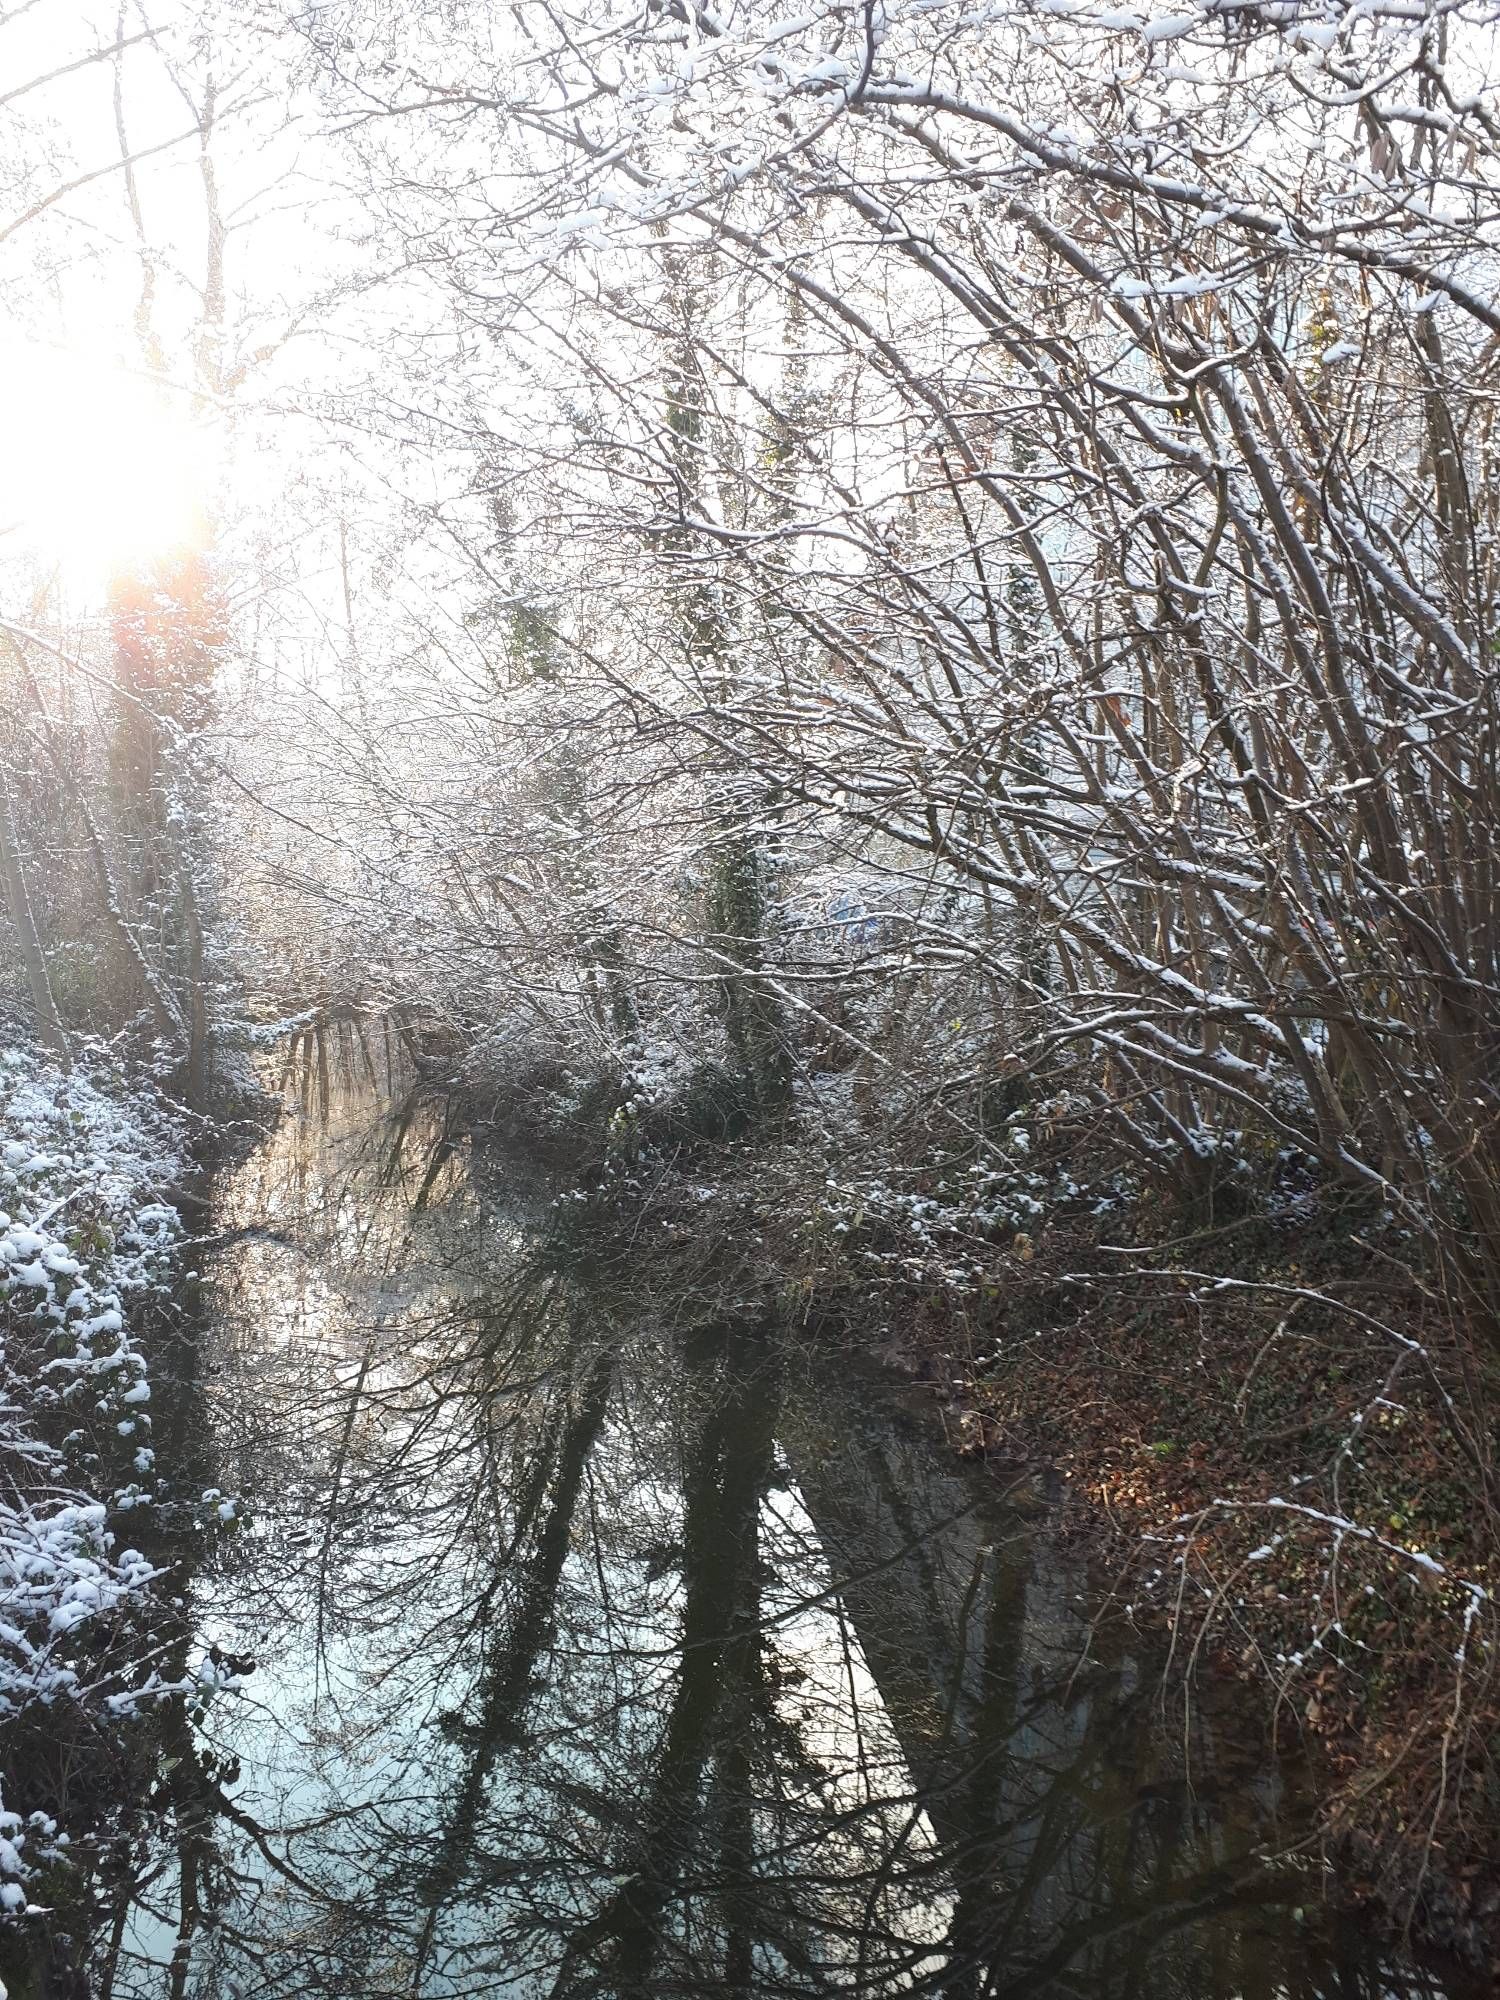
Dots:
pixel 103 469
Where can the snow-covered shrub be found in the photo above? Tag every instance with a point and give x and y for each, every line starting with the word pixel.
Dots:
pixel 85 1244
pixel 24 1843
pixel 84 1239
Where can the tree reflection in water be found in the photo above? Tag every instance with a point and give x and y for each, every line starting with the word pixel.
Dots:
pixel 611 1647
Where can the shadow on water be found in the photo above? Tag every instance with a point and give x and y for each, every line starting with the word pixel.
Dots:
pixel 613 1645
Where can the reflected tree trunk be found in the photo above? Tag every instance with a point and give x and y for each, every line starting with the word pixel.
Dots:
pixel 729 1467
pixel 510 1682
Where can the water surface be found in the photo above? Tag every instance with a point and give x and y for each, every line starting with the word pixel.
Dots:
pixel 607 1641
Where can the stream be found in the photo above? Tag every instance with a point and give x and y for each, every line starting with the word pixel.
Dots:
pixel 612 1644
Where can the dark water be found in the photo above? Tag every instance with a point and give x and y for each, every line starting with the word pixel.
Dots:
pixel 609 1643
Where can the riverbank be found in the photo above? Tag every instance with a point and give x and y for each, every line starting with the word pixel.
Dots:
pixel 89 1251
pixel 1287 1519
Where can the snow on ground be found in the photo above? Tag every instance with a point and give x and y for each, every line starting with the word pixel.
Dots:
pixel 86 1243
